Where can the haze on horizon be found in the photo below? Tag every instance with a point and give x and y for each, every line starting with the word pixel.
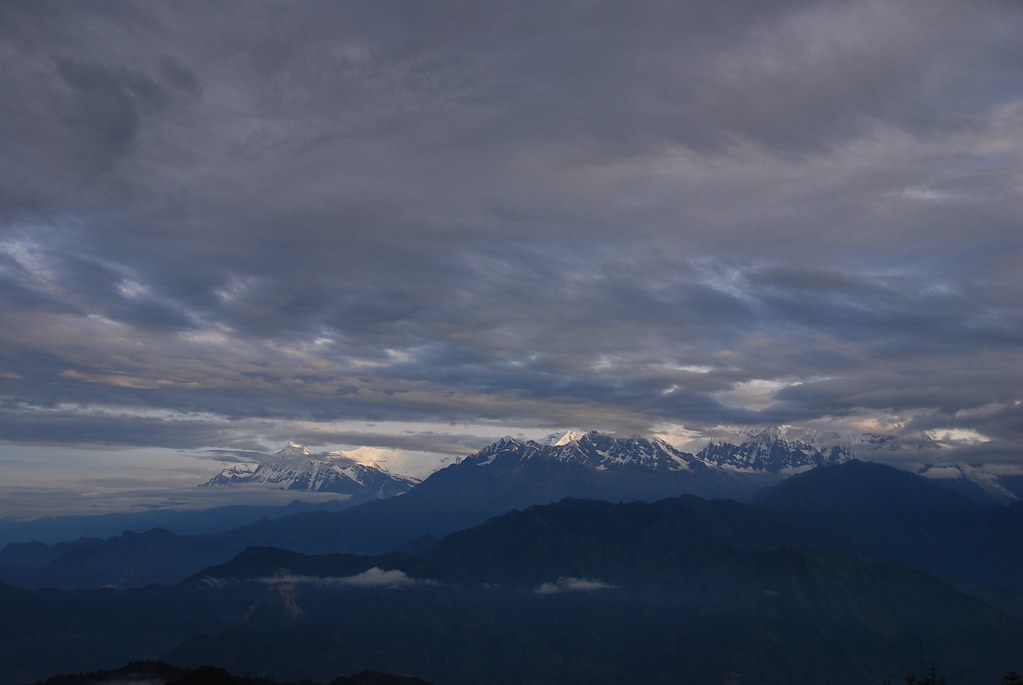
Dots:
pixel 415 227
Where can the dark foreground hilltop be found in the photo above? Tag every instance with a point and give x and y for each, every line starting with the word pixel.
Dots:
pixel 161 673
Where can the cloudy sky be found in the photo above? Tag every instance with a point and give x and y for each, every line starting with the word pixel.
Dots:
pixel 412 227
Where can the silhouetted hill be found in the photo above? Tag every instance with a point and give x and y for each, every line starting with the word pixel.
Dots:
pixel 770 617
pixel 127 560
pixel 575 592
pixel 860 485
pixel 579 591
pixel 57 529
pixel 865 511
pixel 566 538
pixel 879 512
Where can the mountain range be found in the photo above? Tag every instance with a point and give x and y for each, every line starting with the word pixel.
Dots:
pixel 506 475
pixel 870 512
pixel 771 452
pixel 849 573
pixel 768 452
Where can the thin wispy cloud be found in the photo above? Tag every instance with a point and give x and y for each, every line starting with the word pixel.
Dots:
pixel 570 584
pixel 389 579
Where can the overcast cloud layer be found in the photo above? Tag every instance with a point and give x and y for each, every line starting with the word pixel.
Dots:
pixel 227 225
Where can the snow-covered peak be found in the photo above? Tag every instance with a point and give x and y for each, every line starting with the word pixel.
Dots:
pixel 293 449
pixel 562 438
pixel 237 470
pixel 505 450
pixel 296 468
pixel 767 434
pixel 592 449
pixel 772 449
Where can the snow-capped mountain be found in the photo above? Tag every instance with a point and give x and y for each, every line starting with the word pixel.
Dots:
pixel 596 450
pixel 562 438
pixel 294 450
pixel 790 450
pixel 777 448
pixel 596 465
pixel 577 464
pixel 296 468
pixel 516 474
pixel 769 450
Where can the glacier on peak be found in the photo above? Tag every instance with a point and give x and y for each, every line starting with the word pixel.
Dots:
pixel 562 438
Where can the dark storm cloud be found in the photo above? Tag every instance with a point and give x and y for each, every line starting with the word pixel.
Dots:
pixel 234 456
pixel 591 214
pixel 908 312
pixel 106 107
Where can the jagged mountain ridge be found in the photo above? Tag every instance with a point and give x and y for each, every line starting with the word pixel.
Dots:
pixel 506 475
pixel 593 449
pixel 296 468
pixel 776 448
pixel 765 455
pixel 791 450
pixel 768 451
pixel 761 450
pixel 598 466
pixel 510 474
pixel 771 449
